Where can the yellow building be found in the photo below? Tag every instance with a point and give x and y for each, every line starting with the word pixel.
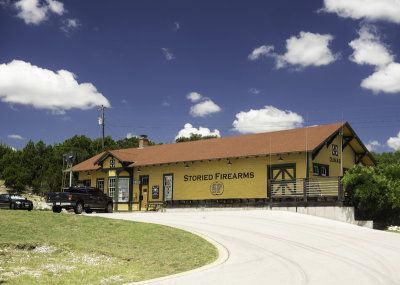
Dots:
pixel 298 166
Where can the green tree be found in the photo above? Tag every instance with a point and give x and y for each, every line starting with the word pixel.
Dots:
pixel 374 192
pixel 194 137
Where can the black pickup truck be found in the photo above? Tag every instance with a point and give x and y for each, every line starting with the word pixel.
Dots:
pixel 80 198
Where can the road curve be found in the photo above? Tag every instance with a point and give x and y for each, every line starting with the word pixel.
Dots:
pixel 273 247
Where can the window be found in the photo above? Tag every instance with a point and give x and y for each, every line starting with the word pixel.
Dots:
pixel 123 189
pixel 334 149
pixel 316 170
pixel 320 169
pixel 145 180
pixel 111 187
pixel 100 184
pixel 112 163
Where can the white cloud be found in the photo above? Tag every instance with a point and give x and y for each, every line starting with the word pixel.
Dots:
pixel 204 108
pixel 386 79
pixel 35 12
pixel 394 142
pixel 69 25
pixel 168 54
pixel 373 10
pixel 27 84
pixel 307 49
pixel 194 96
pixel 254 91
pixel 372 145
pixel 16 137
pixel 260 51
pixel 189 129
pixel 177 26
pixel 165 104
pixel 130 135
pixel 266 120
pixel 368 49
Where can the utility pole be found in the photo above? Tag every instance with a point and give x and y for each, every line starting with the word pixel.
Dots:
pixel 101 122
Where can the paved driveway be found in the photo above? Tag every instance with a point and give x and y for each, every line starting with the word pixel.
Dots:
pixel 272 247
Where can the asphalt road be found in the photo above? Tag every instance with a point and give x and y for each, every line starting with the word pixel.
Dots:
pixel 272 247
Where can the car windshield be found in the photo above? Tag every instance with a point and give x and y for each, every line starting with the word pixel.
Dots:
pixel 17 197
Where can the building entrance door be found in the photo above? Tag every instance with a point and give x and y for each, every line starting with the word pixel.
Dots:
pixel 143 192
pixel 282 179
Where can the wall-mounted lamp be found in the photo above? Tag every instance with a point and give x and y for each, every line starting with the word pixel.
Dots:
pixel 280 158
pixel 187 166
pixel 88 173
pixel 138 170
pixel 229 162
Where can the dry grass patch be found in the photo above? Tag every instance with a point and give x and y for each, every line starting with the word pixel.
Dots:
pixel 42 247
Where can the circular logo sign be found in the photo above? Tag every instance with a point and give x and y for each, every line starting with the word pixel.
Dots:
pixel 217 188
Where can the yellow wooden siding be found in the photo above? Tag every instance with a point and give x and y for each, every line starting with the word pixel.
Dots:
pixel 245 178
pixel 123 207
pixel 326 157
pixel 93 176
pixel 106 162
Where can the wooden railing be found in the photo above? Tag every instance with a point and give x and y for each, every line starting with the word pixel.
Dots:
pixel 306 187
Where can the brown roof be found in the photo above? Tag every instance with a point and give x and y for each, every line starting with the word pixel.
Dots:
pixel 286 141
pixel 88 164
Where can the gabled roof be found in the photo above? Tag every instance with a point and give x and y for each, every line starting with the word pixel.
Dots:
pixel 88 164
pixel 287 141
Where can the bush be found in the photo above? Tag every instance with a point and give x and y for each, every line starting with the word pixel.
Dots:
pixel 374 192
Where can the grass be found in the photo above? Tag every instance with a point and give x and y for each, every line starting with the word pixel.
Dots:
pixel 41 247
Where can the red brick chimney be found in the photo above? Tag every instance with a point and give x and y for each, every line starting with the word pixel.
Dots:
pixel 143 141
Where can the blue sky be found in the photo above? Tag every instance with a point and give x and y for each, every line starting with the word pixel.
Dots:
pixel 169 68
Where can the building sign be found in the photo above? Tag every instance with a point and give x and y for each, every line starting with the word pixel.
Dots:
pixel 217 188
pixel 155 192
pixel 218 176
pixel 168 187
pixel 334 159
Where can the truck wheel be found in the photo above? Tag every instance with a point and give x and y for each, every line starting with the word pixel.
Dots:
pixel 109 208
pixel 78 208
pixel 56 209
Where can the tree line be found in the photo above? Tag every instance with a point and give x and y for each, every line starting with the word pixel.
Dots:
pixel 39 167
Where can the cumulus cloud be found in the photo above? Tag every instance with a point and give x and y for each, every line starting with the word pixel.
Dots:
pixel 265 120
pixel 368 48
pixel 130 135
pixel 35 11
pixel 254 91
pixel 260 52
pixel 204 108
pixel 168 54
pixel 70 25
pixel 306 49
pixel 194 96
pixel 394 142
pixel 372 145
pixel 188 130
pixel 372 10
pixel 16 137
pixel 27 84
pixel 386 79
